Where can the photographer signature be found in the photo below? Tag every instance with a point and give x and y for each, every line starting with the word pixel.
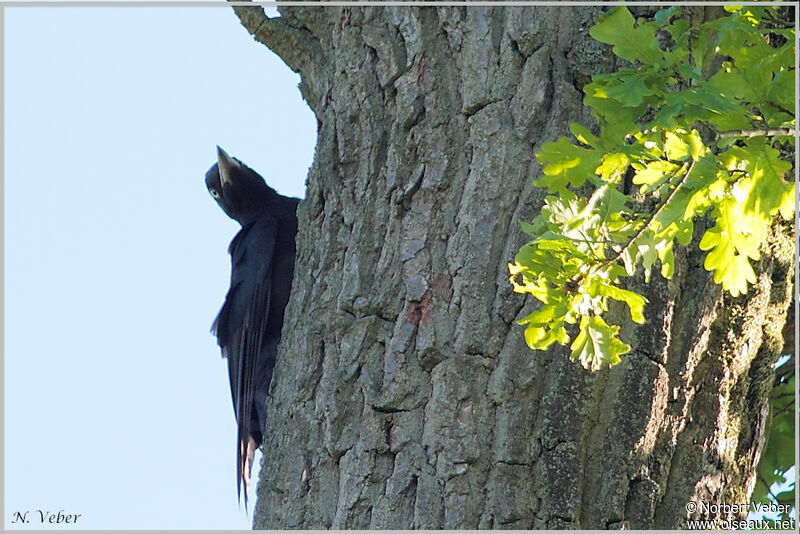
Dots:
pixel 45 516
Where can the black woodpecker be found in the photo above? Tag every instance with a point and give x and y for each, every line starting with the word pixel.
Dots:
pixel 248 327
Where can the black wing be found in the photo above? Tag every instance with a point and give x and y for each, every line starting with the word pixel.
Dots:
pixel 241 326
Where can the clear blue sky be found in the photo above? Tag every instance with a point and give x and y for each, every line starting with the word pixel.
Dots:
pixel 116 402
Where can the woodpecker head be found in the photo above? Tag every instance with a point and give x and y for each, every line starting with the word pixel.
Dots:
pixel 239 190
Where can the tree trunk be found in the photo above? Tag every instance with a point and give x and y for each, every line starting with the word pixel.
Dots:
pixel 404 395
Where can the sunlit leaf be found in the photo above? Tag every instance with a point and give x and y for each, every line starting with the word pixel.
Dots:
pixel 613 167
pixel 667 258
pixel 654 173
pixel 729 251
pixel 676 147
pixel 564 163
pixel 634 300
pixel 646 247
pixel 597 344
pixel 768 193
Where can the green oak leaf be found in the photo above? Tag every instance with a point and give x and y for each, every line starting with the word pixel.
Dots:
pixel 564 163
pixel 533 229
pixel 655 173
pixel 630 91
pixel 628 261
pixel 676 147
pixel 583 135
pixel 634 300
pixel 612 206
pixel 546 326
pixel 597 344
pixel 613 167
pixel 667 258
pixel 536 262
pixel 729 250
pixel 646 247
pixel 730 82
pixel 781 90
pixel 768 193
pixel 634 44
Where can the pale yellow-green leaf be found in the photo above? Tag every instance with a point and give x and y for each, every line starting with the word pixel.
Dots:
pixel 654 172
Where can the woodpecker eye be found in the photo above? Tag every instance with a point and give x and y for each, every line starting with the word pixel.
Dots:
pixel 214 192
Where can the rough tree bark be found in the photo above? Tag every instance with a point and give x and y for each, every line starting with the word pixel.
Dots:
pixel 404 395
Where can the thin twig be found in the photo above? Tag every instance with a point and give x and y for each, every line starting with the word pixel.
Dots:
pixel 649 221
pixel 755 133
pixel 772 17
